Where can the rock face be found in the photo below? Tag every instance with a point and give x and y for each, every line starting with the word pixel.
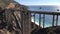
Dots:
pixel 9 22
pixel 10 17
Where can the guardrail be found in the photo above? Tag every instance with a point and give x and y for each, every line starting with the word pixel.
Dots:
pixel 46 13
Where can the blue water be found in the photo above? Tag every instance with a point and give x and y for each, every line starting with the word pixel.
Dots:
pixel 48 18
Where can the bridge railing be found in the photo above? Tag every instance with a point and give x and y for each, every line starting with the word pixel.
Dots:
pixel 43 13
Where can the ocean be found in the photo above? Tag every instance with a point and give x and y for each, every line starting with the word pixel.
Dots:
pixel 48 18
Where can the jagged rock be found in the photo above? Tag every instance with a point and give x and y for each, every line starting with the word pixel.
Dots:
pixel 10 24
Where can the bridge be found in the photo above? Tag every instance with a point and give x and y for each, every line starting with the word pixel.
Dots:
pixel 27 27
pixel 23 21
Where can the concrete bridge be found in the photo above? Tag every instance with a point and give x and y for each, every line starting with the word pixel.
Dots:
pixel 22 19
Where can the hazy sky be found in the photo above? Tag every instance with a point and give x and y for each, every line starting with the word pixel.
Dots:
pixel 39 2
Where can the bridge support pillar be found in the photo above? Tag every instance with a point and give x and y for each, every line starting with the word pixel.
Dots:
pixel 26 23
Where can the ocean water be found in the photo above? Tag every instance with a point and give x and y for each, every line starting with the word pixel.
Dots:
pixel 48 18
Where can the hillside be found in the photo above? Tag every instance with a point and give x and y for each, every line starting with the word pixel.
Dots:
pixel 4 3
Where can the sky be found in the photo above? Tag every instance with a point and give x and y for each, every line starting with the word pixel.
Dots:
pixel 39 2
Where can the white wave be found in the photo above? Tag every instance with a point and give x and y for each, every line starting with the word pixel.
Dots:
pixel 37 23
